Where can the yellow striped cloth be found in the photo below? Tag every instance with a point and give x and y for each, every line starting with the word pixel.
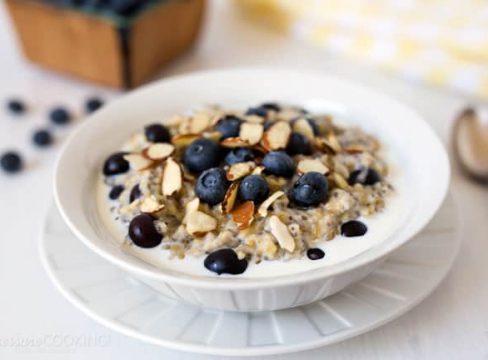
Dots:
pixel 442 42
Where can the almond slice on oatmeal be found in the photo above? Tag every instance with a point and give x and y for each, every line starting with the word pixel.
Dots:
pixel 239 170
pixel 230 197
pixel 138 162
pixel 258 170
pixel 243 215
pixel 172 178
pixel 150 205
pixel 158 151
pixel 182 140
pixel 234 142
pixel 252 133
pixel 281 233
pixel 277 136
pixel 199 223
pixel 255 119
pixel 308 165
pixel 340 181
pixel 263 208
pixel 212 135
pixel 190 207
pixel 302 126
pixel 199 122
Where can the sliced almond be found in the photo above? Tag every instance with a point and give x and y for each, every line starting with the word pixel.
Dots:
pixel 255 119
pixel 214 135
pixel 138 162
pixel 354 150
pixel 258 170
pixel 334 142
pixel 158 151
pixel 234 142
pixel 263 208
pixel 340 181
pixel 277 136
pixel 172 178
pixel 150 205
pixel 302 126
pixel 325 146
pixel 252 133
pixel 230 197
pixel 238 170
pixel 199 122
pixel 183 140
pixel 281 233
pixel 243 215
pixel 308 165
pixel 199 223
pixel 190 207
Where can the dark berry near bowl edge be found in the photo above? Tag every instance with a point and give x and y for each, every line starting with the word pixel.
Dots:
pixel 353 228
pixel 93 104
pixel 365 176
pixel 115 192
pixel 278 163
pixel 211 186
pixel 60 116
pixel 225 261
pixel 16 106
pixel 298 144
pixel 271 106
pixel 115 164
pixel 229 126
pixel 202 154
pixel 11 162
pixel 157 133
pixel 238 155
pixel 258 111
pixel 42 138
pixel 310 189
pixel 135 193
pixel 143 232
pixel 315 254
pixel 125 7
pixel 254 188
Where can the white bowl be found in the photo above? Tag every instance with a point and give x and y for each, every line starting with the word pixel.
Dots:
pixel 417 150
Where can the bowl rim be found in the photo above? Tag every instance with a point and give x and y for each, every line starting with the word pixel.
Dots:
pixel 235 283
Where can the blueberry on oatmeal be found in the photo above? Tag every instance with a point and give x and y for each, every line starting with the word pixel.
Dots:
pixel 116 164
pixel 238 155
pixel 298 144
pixel 366 176
pixel 157 133
pixel 353 228
pixel 211 186
pixel 135 193
pixel 310 189
pixel 279 163
pixel 254 188
pixel 115 192
pixel 225 261
pixel 202 154
pixel 229 126
pixel 143 232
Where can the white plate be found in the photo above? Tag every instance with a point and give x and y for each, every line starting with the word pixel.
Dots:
pixel 110 296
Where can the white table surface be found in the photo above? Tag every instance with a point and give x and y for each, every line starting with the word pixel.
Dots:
pixel 36 322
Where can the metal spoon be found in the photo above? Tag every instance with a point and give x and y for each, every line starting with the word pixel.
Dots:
pixel 470 142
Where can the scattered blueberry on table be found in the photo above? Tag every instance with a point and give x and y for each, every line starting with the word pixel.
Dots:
pixel 93 104
pixel 60 116
pixel 16 106
pixel 11 162
pixel 42 138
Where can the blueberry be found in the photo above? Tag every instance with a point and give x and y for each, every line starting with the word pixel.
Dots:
pixel 366 176
pixel 16 106
pixel 310 189
pixel 271 106
pixel 238 155
pixel 313 124
pixel 135 193
pixel 42 138
pixel 258 111
pixel 229 126
pixel 202 154
pixel 211 186
pixel 254 188
pixel 115 192
pixel 115 164
pixel 143 232
pixel 315 254
pixel 60 116
pixel 93 104
pixel 298 144
pixel 279 163
pixel 125 7
pixel 225 261
pixel 157 133
pixel 11 162
pixel 353 228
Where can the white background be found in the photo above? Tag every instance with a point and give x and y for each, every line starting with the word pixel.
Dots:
pixel 450 324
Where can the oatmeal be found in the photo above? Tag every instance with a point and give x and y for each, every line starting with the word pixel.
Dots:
pixel 268 184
